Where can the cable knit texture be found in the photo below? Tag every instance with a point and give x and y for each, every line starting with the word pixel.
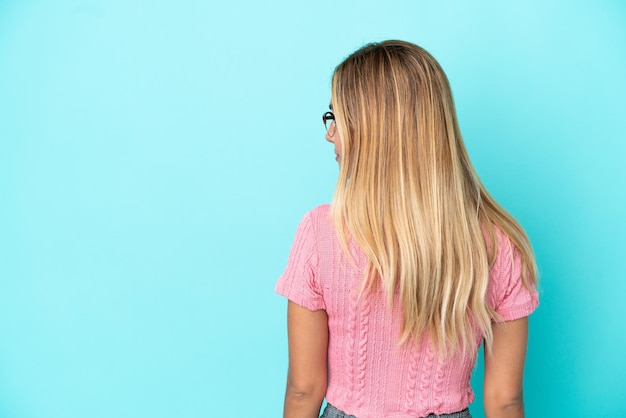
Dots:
pixel 369 374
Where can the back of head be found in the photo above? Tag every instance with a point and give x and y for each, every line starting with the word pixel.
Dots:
pixel 409 196
pixel 394 110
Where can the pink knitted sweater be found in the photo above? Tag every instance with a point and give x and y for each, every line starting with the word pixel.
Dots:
pixel 369 374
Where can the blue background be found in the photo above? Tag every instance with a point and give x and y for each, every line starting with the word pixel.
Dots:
pixel 156 157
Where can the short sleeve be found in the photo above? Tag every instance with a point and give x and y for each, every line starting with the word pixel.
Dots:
pixel 299 282
pixel 507 293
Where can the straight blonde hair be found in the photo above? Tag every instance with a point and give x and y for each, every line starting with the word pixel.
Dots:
pixel 408 195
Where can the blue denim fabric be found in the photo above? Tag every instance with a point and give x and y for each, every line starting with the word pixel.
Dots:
pixel 332 412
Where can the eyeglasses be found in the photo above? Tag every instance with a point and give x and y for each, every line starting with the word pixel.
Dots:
pixel 329 123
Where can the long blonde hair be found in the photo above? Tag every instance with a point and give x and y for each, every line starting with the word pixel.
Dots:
pixel 408 195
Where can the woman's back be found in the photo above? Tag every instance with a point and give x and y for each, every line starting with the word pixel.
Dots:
pixel 370 375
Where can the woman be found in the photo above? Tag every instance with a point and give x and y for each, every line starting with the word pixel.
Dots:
pixel 394 286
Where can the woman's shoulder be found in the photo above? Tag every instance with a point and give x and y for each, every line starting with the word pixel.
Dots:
pixel 316 220
pixel 503 243
pixel 319 216
pixel 321 210
pixel 503 261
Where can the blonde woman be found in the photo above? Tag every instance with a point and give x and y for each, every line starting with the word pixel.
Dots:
pixel 393 287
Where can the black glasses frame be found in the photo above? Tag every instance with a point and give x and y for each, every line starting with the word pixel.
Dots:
pixel 326 117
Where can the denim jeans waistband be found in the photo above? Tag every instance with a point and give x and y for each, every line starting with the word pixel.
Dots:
pixel 332 412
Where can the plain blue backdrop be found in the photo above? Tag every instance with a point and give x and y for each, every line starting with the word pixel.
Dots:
pixel 156 157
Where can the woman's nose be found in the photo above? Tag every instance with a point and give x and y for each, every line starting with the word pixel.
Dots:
pixel 330 133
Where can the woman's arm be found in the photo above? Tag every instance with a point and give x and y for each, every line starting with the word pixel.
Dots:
pixel 504 370
pixel 308 349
